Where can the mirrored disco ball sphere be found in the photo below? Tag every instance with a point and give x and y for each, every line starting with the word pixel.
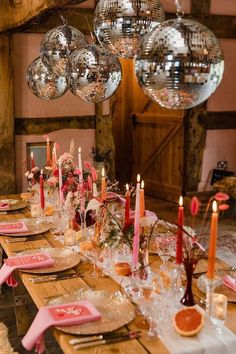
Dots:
pixel 120 24
pixel 180 64
pixel 44 83
pixel 58 44
pixel 93 74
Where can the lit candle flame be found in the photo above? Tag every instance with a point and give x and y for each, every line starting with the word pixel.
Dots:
pixel 47 140
pixel 103 172
pixel 41 172
pixel 138 178
pixel 32 155
pixel 181 201
pixel 142 184
pixel 54 150
pixel 214 206
pixel 127 187
pixel 79 150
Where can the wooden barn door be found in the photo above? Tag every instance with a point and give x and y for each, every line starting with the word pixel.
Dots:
pixel 152 135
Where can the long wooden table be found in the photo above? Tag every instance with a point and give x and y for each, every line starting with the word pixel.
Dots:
pixel 42 292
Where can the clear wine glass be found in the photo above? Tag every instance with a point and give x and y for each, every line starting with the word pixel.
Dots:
pixel 165 244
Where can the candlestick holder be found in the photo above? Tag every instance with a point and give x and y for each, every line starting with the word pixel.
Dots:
pixel 211 284
pixel 177 275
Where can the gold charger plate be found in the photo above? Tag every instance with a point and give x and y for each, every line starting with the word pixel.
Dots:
pixel 14 204
pixel 64 258
pixel 35 228
pixel 116 311
pixel 221 288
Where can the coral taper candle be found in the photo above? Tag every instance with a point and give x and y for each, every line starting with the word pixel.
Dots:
pixel 55 150
pixel 103 191
pixel 32 160
pixel 136 224
pixel 142 200
pixel 80 165
pixel 48 159
pixel 212 245
pixel 54 162
pixel 127 206
pixel 179 241
pixel 42 200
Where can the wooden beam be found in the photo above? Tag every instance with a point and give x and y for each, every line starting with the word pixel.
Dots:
pixel 34 126
pixel 200 6
pixel 16 13
pixel 76 17
pixel 194 145
pixel 221 120
pixel 7 176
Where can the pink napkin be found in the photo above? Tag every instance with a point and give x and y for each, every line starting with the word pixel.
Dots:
pixel 149 213
pixel 4 205
pixel 38 260
pixel 13 227
pixel 230 282
pixel 112 195
pixel 58 315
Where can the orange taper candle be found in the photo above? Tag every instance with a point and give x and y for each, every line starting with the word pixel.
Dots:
pixel 142 200
pixel 212 245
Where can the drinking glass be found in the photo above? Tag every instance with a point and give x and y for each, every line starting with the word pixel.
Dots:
pixel 165 248
pixel 219 311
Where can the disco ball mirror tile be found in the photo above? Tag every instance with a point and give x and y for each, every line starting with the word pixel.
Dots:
pixel 58 44
pixel 93 74
pixel 44 83
pixel 120 24
pixel 180 64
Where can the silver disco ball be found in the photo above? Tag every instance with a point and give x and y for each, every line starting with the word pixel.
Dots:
pixel 93 74
pixel 58 44
pixel 180 64
pixel 44 83
pixel 120 24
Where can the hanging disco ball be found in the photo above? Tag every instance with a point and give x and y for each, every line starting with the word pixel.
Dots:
pixel 93 74
pixel 44 83
pixel 180 64
pixel 58 44
pixel 120 24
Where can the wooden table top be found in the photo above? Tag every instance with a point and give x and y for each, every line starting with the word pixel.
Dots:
pixel 42 292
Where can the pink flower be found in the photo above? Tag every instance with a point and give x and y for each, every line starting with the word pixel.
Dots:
pixel 87 165
pixel 90 182
pixel 194 206
pixel 94 174
pixel 223 207
pixel 221 196
pixel 77 172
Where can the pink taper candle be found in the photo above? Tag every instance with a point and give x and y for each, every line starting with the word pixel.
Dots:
pixel 61 198
pixel 41 183
pixel 136 224
pixel 48 159
pixel 80 165
pixel 127 206
pixel 103 191
pixel 180 232
pixel 212 244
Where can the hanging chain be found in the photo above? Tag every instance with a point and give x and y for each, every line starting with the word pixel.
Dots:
pixel 179 9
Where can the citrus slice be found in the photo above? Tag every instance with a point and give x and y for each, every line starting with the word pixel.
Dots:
pixel 188 321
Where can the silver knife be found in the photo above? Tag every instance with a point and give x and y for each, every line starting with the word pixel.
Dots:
pixel 52 277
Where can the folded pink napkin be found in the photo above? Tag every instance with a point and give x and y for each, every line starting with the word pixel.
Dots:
pixel 230 282
pixel 13 227
pixel 4 205
pixel 38 260
pixel 58 315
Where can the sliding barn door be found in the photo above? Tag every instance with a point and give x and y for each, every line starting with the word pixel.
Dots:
pixel 157 139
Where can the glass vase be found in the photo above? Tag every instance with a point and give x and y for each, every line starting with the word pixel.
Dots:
pixel 189 266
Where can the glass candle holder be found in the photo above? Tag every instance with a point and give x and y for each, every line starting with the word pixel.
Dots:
pixel 219 311
pixel 70 237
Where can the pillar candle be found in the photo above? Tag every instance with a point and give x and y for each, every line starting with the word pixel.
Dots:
pixel 179 241
pixel 32 160
pixel 42 200
pixel 142 200
pixel 127 206
pixel 80 165
pixel 136 224
pixel 48 159
pixel 60 183
pixel 212 244
pixel 103 190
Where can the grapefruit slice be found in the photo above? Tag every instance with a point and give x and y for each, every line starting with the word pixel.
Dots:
pixel 188 321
